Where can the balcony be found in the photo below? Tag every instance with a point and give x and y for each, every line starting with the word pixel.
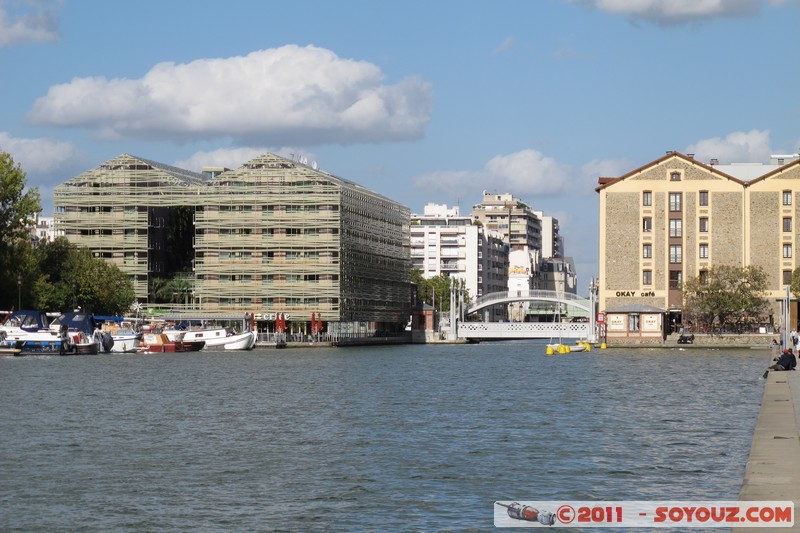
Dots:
pixel 451 266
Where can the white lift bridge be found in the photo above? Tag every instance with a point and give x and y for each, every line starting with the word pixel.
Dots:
pixel 526 330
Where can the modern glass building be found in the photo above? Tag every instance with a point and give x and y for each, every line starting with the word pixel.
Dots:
pixel 272 236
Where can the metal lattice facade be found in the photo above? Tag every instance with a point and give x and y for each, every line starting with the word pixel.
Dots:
pixel 271 236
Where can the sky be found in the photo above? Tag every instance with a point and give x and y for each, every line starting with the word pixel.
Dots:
pixel 420 101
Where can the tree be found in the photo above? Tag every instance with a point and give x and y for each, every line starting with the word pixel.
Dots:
pixel 171 290
pixel 18 207
pixel 726 296
pixel 794 284
pixel 435 291
pixel 71 276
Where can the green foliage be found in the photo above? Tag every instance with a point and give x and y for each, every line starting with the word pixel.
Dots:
pixel 71 276
pixel 17 207
pixel 56 275
pixel 726 296
pixel 794 284
pixel 435 291
pixel 171 290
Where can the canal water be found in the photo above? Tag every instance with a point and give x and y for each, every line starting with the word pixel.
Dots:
pixel 402 438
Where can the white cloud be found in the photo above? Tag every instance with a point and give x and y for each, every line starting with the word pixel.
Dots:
pixel 46 163
pixel 236 157
pixel 300 95
pixel 677 11
pixel 39 156
pixel 737 147
pixel 529 171
pixel 38 26
pixel 525 174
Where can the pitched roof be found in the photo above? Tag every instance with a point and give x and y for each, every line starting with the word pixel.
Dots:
pixel 779 170
pixel 606 182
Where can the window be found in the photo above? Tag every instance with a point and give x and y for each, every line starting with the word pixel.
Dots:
pixel 647 251
pixel 787 277
pixel 674 201
pixel 647 277
pixel 633 322
pixel 787 197
pixel 787 224
pixel 647 224
pixel 787 251
pixel 675 176
pixel 647 198
pixel 703 251
pixel 704 198
pixel 675 253
pixel 675 279
pixel 704 224
pixel 675 227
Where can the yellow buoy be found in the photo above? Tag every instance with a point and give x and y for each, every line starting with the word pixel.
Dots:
pixel 549 350
pixel 602 346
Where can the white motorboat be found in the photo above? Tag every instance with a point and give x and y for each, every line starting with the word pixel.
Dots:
pixel 27 331
pixel 242 341
pixel 217 338
pixel 126 340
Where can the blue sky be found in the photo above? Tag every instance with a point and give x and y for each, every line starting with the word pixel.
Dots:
pixel 419 101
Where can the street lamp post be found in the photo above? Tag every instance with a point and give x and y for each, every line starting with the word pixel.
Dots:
pixel 19 291
pixel 593 290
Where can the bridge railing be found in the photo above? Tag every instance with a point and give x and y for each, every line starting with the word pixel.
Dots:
pixel 529 295
pixel 523 330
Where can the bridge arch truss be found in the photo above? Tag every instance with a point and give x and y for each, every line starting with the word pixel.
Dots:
pixel 506 297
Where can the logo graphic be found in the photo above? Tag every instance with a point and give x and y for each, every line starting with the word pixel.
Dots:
pixel 528 513
pixel 655 514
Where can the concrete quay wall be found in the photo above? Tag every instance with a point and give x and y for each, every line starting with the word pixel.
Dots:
pixel 701 340
pixel 772 472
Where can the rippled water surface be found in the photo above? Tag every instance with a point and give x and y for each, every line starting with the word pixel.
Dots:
pixel 421 438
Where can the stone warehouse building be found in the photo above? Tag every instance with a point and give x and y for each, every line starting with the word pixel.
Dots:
pixel 272 236
pixel 674 218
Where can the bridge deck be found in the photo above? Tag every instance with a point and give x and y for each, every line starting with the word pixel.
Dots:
pixel 523 330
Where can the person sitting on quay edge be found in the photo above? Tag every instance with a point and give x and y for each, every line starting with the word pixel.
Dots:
pixel 787 361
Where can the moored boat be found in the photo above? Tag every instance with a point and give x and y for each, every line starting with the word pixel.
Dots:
pixel 242 341
pixel 80 334
pixel 126 340
pixel 568 348
pixel 27 332
pixel 161 343
pixel 216 338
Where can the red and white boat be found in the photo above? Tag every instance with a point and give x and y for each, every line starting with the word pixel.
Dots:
pixel 217 338
pixel 161 343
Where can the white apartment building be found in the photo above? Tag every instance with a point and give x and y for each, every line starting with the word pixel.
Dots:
pixel 42 229
pixel 552 240
pixel 444 242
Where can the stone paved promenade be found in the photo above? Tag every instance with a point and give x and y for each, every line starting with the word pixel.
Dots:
pixel 773 469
